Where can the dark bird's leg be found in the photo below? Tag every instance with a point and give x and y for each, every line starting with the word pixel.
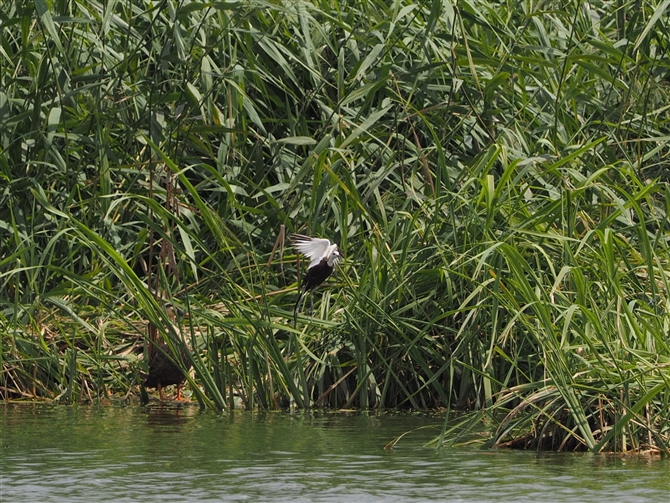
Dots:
pixel 160 391
pixel 297 306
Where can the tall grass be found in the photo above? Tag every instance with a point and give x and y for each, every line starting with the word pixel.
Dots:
pixel 496 174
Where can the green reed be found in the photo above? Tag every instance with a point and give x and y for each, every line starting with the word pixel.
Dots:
pixel 493 173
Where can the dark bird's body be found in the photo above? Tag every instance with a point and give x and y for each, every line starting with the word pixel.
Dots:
pixel 323 256
pixel 163 370
pixel 317 275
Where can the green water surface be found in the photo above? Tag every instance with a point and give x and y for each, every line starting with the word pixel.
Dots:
pixel 133 454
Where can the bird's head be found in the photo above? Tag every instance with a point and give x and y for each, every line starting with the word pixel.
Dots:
pixel 174 312
pixel 335 256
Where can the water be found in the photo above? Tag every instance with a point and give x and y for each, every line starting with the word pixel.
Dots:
pixel 105 454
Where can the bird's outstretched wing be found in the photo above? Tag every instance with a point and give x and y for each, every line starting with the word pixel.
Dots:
pixel 313 248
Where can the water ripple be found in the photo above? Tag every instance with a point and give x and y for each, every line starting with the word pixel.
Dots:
pixel 128 456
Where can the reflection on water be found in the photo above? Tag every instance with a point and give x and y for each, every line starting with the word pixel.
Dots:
pixel 71 454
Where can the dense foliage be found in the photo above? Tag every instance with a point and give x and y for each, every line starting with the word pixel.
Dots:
pixel 495 173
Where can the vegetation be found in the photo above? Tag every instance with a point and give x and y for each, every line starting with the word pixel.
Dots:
pixel 496 174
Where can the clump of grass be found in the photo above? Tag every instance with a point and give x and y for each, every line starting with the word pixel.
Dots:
pixel 494 174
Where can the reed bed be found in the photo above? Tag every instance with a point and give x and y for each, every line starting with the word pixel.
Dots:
pixel 496 174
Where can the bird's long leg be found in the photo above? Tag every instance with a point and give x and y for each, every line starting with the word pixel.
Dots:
pixel 160 391
pixel 297 306
pixel 179 392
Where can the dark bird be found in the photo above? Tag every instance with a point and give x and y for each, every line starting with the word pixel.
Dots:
pixel 323 256
pixel 163 370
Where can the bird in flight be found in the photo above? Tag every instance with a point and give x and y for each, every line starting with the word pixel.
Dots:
pixel 323 256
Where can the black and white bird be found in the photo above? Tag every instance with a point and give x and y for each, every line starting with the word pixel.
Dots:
pixel 323 256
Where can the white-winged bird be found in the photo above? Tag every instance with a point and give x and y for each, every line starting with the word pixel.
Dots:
pixel 323 256
pixel 163 370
